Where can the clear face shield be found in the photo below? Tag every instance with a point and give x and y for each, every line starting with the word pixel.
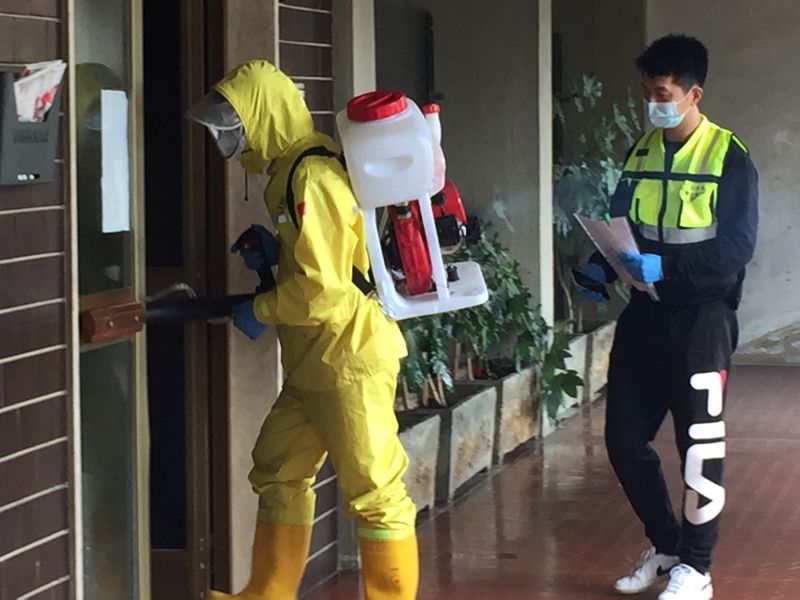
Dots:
pixel 216 114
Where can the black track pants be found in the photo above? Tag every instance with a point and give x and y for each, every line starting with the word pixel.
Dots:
pixel 672 359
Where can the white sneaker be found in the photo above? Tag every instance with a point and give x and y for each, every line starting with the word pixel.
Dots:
pixel 650 568
pixel 687 584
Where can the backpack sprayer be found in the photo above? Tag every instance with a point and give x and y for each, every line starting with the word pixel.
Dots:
pixel 395 162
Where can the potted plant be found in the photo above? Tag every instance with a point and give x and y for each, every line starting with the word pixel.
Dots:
pixel 504 342
pixel 585 177
pixel 477 370
pixel 586 173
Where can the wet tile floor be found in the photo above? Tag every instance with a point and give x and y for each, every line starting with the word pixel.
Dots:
pixel 555 524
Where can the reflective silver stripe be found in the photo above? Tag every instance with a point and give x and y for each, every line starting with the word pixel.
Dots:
pixel 704 163
pixel 679 236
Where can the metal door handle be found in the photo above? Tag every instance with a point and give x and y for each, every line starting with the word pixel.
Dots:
pixel 110 323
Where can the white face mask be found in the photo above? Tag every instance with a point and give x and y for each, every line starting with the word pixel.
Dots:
pixel 665 115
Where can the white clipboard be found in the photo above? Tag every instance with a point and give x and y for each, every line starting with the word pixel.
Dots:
pixel 612 238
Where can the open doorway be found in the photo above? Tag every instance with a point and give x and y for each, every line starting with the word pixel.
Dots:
pixel 181 369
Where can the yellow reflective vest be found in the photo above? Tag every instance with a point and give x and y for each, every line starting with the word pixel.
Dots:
pixel 677 204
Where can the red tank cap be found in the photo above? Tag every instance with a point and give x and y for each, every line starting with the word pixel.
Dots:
pixel 377 105
pixel 431 108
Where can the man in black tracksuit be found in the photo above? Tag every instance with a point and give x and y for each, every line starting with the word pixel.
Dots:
pixel 689 190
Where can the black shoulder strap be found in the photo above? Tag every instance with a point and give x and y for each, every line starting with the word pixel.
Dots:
pixel 359 279
pixel 361 282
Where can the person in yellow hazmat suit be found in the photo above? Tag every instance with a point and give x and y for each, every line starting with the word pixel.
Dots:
pixel 341 354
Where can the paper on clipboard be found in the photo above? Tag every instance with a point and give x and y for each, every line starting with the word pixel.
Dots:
pixel 612 238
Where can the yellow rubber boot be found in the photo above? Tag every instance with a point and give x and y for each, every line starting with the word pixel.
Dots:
pixel 279 558
pixel 390 568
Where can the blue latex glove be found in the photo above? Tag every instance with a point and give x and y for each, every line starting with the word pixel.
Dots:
pixel 596 273
pixel 646 268
pixel 245 320
pixel 267 251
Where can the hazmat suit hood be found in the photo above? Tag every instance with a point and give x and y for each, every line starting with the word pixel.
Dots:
pixel 271 109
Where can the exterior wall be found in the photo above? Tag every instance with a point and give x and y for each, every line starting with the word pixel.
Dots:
pixel 750 91
pixel 35 343
pixel 602 37
pixel 400 49
pixel 493 69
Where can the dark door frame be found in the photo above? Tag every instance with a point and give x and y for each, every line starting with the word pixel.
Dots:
pixel 216 269
pixel 190 572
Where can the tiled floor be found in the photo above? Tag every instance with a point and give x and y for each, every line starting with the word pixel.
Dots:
pixel 555 524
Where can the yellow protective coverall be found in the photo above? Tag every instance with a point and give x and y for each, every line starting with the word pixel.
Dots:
pixel 340 354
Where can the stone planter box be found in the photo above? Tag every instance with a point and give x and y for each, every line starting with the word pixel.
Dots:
pixel 549 426
pixel 517 418
pixel 420 435
pixel 466 441
pixel 590 356
pixel 517 414
pixel 579 348
pixel 601 340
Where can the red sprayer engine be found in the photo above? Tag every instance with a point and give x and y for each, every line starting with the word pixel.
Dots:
pixel 405 246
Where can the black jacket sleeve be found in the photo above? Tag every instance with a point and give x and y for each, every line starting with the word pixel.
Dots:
pixel 737 215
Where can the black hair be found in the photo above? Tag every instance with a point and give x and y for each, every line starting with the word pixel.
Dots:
pixel 683 57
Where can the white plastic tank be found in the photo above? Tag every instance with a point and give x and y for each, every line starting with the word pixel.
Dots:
pixel 431 112
pixel 394 156
pixel 388 148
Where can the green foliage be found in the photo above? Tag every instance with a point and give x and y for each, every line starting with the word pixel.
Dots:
pixel 555 379
pixel 509 314
pixel 428 340
pixel 586 176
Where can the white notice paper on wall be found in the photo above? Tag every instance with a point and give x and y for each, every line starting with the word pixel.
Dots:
pixel 115 181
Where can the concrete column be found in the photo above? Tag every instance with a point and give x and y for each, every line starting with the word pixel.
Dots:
pixel 251 31
pixel 353 49
pixel 544 283
pixel 493 67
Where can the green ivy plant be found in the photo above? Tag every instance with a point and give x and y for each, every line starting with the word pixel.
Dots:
pixel 428 340
pixel 555 379
pixel 586 176
pixel 509 314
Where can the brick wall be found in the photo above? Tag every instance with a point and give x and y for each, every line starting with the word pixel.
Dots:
pixel 306 54
pixel 34 351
